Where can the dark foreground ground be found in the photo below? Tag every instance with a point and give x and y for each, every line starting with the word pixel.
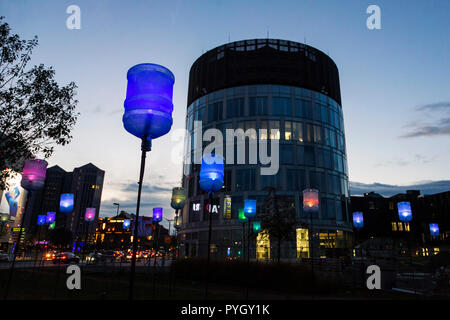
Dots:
pixel 51 284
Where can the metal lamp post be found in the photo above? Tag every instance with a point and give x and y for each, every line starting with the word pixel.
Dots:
pixel 250 213
pixel 157 218
pixel 89 216
pixel 242 219
pixel 177 202
pixel 148 115
pixel 311 205
pixel 358 223
pixel 211 180
pixel 118 206
pixel 40 222
pixel 33 179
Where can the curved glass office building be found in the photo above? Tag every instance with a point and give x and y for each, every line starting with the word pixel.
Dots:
pixel 289 93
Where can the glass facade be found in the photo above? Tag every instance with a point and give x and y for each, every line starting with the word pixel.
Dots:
pixel 309 128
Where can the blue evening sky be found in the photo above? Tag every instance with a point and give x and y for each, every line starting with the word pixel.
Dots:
pixel 394 81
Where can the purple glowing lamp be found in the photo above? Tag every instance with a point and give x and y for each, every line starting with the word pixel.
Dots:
pixel 148 106
pixel 33 175
pixel 358 220
pixel 50 218
pixel 89 215
pixel 157 214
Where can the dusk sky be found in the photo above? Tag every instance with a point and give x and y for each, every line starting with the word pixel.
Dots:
pixel 394 81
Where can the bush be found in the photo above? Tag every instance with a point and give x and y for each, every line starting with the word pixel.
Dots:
pixel 281 276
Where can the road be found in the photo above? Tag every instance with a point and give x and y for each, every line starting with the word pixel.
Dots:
pixel 140 265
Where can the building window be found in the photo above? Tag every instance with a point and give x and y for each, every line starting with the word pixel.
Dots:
pixel 309 133
pixel 303 108
pixel 394 226
pixel 309 156
pixel 257 106
pixel 293 131
pixel 235 108
pixel 281 106
pixel 269 125
pixel 287 154
pixel 273 181
pixel 317 134
pixel 215 111
pixel 245 179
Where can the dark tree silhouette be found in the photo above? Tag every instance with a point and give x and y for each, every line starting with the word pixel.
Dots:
pixel 278 219
pixel 36 113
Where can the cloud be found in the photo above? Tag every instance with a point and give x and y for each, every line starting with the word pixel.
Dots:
pixel 435 106
pixel 434 127
pixel 387 190
pixel 416 159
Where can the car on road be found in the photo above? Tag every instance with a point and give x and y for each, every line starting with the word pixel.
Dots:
pixel 95 257
pixel 49 255
pixel 66 257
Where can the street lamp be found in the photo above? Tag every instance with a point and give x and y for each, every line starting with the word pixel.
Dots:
pixel 250 213
pixel 434 229
pixel 148 115
pixel 33 179
pixel 311 205
pixel 66 202
pixel 40 222
pixel 242 219
pixel 126 223
pixel 50 217
pixel 358 220
pixel 404 211
pixel 118 206
pixel 211 180
pixel 177 202
pixel 89 216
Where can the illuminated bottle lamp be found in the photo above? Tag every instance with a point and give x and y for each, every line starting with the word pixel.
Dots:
pixel 148 105
pixel 212 173
pixel 434 229
pixel 310 200
pixel 41 220
pixel 52 225
pixel 157 214
pixel 404 211
pixel 250 208
pixel 50 218
pixel 148 115
pixel 178 198
pixel 242 217
pixel 126 223
pixel 256 226
pixel 358 220
pixel 177 223
pixel 33 175
pixel 4 217
pixel 89 214
pixel 66 203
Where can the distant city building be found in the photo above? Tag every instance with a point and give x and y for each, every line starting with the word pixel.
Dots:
pixel 85 182
pixel 385 233
pixel 110 233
